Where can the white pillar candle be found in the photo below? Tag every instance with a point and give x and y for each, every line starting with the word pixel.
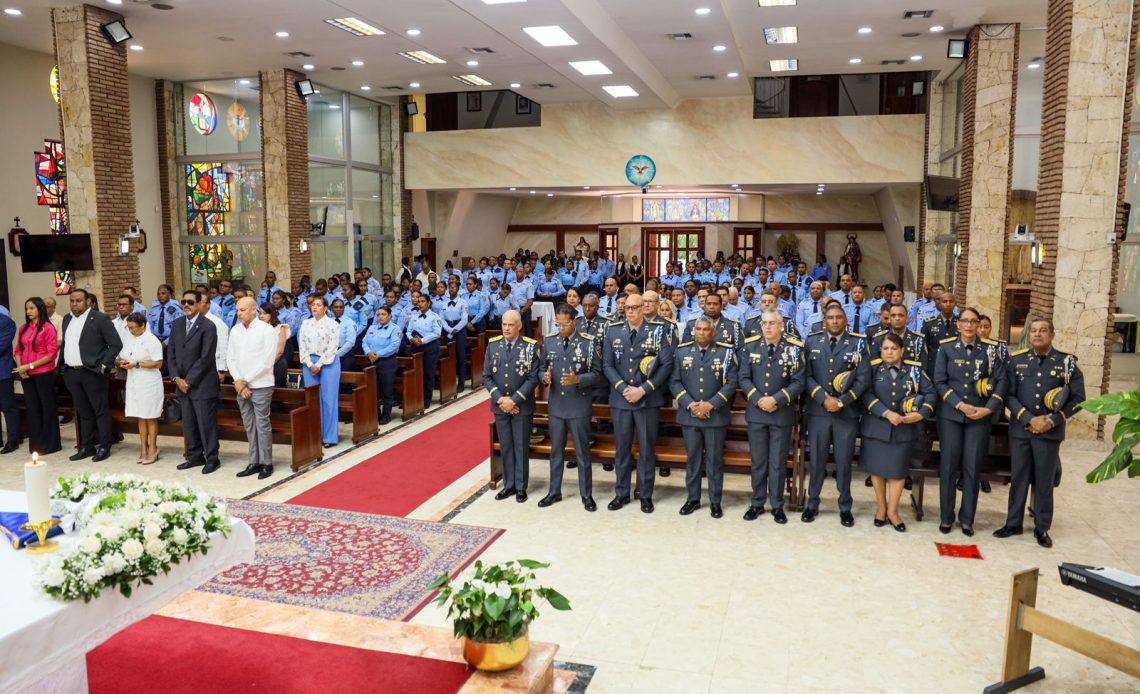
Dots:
pixel 36 485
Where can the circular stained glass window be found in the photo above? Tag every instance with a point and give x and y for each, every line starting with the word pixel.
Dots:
pixel 203 115
pixel 237 120
pixel 53 82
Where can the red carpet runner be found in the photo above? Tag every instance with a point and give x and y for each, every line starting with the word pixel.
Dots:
pixel 397 481
pixel 160 654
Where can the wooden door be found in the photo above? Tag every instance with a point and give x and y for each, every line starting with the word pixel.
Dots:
pixel 427 247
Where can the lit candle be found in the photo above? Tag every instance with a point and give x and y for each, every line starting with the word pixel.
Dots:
pixel 36 486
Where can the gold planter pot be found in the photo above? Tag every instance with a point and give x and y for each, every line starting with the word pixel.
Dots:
pixel 498 655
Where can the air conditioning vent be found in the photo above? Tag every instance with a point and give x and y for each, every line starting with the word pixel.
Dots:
pixel 706 78
pixel 544 85
pixel 679 36
pixel 894 62
pixel 483 50
pixel 299 54
pixel 918 14
pixel 394 88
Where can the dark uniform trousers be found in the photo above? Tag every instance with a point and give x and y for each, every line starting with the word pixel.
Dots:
pixel 430 350
pixel 823 433
pixel 516 458
pixel 89 391
pixel 963 446
pixel 386 385
pixel 461 369
pixel 579 428
pixel 646 421
pixel 1033 458
pixel 704 447
pixel 768 445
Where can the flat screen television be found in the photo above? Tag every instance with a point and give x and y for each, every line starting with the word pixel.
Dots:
pixel 942 193
pixel 52 253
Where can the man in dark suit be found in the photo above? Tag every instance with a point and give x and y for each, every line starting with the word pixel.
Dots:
pixel 7 384
pixel 190 359
pixel 86 353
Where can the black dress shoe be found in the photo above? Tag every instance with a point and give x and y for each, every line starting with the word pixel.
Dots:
pixel 753 513
pixel 82 453
pixel 909 483
pixel 266 471
pixel 521 497
pixel 618 502
pixel 571 465
pixel 689 507
pixel 1006 531
pixel 846 518
pixel 663 471
pixel 647 505
pixel 808 515
pixel 589 505
pixel 210 467
pixel 959 484
pixel 945 529
pixel 985 486
pixel 549 499
pixel 330 445
pixel 504 493
pixel 867 482
pixel 778 516
pixel 901 527
pixel 716 511
pixel 968 530
pixel 608 467
pixel 190 463
pixel 249 470
pixel 66 419
pixel 101 455
pixel 880 522
pixel 1043 539
pixel 385 420
pixel 10 447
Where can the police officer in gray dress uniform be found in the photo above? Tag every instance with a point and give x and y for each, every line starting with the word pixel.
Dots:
pixel 768 302
pixel 938 328
pixel 772 376
pixel 837 375
pixel 724 329
pixel 637 360
pixel 1045 387
pixel 900 397
pixel 914 345
pixel 510 375
pixel 592 323
pixel 572 365
pixel 704 384
pixel 971 382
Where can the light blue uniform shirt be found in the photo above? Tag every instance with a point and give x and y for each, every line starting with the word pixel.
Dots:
pixel 292 318
pixel 522 292
pixel 596 278
pixel 224 307
pixel 807 313
pixel 266 294
pixel 362 310
pixel 384 340
pixel 427 326
pixel 347 336
pixel 553 288
pixel 500 305
pixel 454 315
pixel 867 315
pixel 477 305
pixel 172 309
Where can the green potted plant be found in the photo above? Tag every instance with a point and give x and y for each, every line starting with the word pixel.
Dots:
pixel 490 611
pixel 1125 436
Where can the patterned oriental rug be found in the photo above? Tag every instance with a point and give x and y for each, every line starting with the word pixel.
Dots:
pixel 375 566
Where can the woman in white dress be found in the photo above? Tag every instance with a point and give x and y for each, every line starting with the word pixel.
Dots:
pixel 141 358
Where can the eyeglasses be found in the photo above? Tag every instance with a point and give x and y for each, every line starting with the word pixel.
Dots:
pixel 563 325
pixel 969 321
pixel 189 302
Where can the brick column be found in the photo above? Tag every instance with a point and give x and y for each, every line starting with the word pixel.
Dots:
pixel 403 244
pixel 169 182
pixel 989 100
pixel 1089 69
pixel 285 159
pixel 95 103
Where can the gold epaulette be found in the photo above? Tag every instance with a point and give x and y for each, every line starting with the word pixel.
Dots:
pixel 990 341
pixel 685 344
pixel 793 340
pixel 753 338
pixel 552 335
pixel 881 332
pixel 587 336
pixel 725 344
pixel 1019 352
pixel 495 339
pixel 912 362
pixel 531 340
pixel 876 362
pixel 815 332
pixel 948 339
pixel 931 318
pixel 860 335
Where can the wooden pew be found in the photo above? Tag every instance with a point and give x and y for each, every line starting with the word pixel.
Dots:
pixel 297 424
pixel 447 380
pixel 476 353
pixel 409 384
pixel 359 407
pixel 926 459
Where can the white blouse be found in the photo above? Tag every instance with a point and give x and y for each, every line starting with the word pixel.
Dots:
pixel 321 337
pixel 145 347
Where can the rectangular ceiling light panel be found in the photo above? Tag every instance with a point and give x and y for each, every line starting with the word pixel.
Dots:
pixel 776 3
pixel 423 58
pixel 788 65
pixel 472 80
pixel 781 35
pixel 500 2
pixel 550 36
pixel 620 91
pixel 591 67
pixel 355 26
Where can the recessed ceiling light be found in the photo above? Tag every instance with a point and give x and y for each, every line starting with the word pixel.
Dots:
pixel 619 91
pixel 776 3
pixel 916 58
pixel 413 32
pixel 513 188
pixel 864 30
pixel 308 66
pixel 733 75
pixel 115 2
pixel 515 85
pixel 937 28
pixel 550 195
pixel 414 85
pixel 585 187
pixel 819 192
pixel 423 57
pixel 282 34
pixel 472 80
pixel 788 65
pixel 590 67
pixel 472 63
pixel 12 11
pixel 775 35
pixel 532 192
pixel 243 82
pixel 719 48
pixel 358 63
pixel 365 88
pixel 552 35
pixel 1033 66
pixel 855 61
pixel 355 27
pixel 702 11
pixel 136 47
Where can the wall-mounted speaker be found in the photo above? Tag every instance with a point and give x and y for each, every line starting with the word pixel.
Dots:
pixel 415 231
pixel 908 234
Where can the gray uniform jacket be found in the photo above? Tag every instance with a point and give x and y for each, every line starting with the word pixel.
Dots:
pixel 824 363
pixel 1030 379
pixel 623 356
pixel 583 358
pixel 887 394
pixel 781 376
pixel 710 377
pixel 515 373
pixel 957 371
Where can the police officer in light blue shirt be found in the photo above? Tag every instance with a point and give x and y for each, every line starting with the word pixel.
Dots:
pixel 224 305
pixel 496 271
pixel 423 333
pixel 381 343
pixel 270 288
pixel 719 274
pixel 522 291
pixel 347 342
pixel 478 304
pixel 438 297
pixel 163 313
pixel 808 312
pixel 453 311
pixel 596 279
pixel 285 313
pixel 549 289
pixel 364 293
pixel 926 300
pixel 500 304
pixel 859 312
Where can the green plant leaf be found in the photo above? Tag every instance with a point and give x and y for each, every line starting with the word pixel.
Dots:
pixel 1134 468
pixel 532 564
pixel 1109 403
pixel 494 606
pixel 557 600
pixel 439 582
pixel 1119 459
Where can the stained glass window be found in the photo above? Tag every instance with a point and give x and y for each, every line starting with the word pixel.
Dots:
pixel 50 180
pixel 203 114
pixel 53 83
pixel 207 206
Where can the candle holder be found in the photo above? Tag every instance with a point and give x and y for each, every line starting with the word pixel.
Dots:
pixel 42 545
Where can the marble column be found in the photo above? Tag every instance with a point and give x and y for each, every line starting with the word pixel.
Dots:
pixel 1089 66
pixel 96 114
pixel 285 159
pixel 990 94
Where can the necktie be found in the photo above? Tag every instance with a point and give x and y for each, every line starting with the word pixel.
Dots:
pixel 161 319
pixel 815 306
pixel 704 351
pixel 894 372
pixel 509 346
pixel 1041 359
pixel 969 349
pixel 771 351
pixel 857 312
pixel 565 343
pixel 632 335
pixel 833 341
pixel 846 298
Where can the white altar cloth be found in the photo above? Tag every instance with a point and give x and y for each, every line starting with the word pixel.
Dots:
pixel 44 642
pixel 543 311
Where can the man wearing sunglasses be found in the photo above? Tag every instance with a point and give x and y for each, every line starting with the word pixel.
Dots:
pixel 191 360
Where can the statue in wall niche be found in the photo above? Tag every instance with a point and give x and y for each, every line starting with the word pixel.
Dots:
pixel 854 255
pixel 582 247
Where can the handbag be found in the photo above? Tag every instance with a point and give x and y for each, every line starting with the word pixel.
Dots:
pixel 171 411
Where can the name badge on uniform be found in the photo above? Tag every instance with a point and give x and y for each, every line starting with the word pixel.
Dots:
pixel 687 363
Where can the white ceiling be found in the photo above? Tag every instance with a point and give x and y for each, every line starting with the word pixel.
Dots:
pixel 627 35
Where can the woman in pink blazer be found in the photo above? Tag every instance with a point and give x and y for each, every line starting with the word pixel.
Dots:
pixel 36 353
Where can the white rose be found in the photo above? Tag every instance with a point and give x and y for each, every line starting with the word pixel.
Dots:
pixel 54 576
pixel 180 536
pixel 132 549
pixel 115 563
pixel 92 576
pixel 152 531
pixel 155 546
pixel 90 543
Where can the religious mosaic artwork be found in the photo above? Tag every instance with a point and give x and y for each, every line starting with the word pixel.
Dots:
pixel 51 192
pixel 684 209
pixel 208 205
pixel 202 114
pixel 237 121
pixel 53 83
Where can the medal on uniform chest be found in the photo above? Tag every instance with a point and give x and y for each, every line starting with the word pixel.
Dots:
pixel 495 363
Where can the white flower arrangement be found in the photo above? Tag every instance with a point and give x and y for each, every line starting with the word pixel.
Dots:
pixel 128 530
